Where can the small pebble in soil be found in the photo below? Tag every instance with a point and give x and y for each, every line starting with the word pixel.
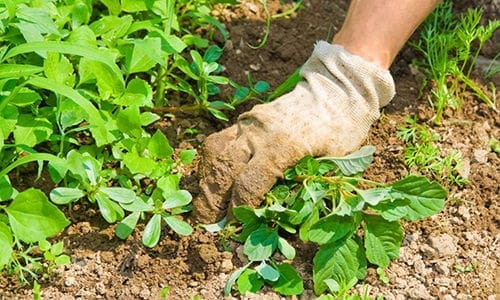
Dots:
pixel 70 281
pixel 443 244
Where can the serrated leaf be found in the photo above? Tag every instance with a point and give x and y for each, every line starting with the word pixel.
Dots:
pixel 267 272
pixel 355 162
pixel 64 195
pixel 127 225
pixel 339 261
pixel 152 231
pixel 382 239
pixel 332 228
pixel 261 244
pixel 32 217
pixel 178 225
pixel 249 281
pixel 286 249
pixel 289 282
pixel 6 243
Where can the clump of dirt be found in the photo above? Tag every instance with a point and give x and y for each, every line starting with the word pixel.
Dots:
pixel 453 255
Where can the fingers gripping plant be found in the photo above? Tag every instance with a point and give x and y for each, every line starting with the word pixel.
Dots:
pixel 354 221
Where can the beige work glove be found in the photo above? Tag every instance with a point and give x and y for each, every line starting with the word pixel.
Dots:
pixel 329 113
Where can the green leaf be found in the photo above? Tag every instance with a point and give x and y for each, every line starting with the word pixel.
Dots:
pixel 332 228
pixel 109 82
pixel 105 57
pixel 6 243
pixel 137 205
pixel 119 194
pixel 128 121
pixel 127 225
pixel 187 156
pixel 426 198
pixel 147 118
pixel 58 68
pixel 137 164
pixel 174 45
pixel 31 131
pixel 17 71
pixel 232 279
pixel 138 92
pixel 212 54
pixel 144 55
pixel 355 162
pixel 375 195
pixel 110 210
pixel 286 249
pixel 152 231
pixel 267 272
pixel 32 217
pixel 340 261
pixel 65 195
pixel 159 147
pixel 249 281
pixel 289 282
pixel 131 6
pixel 382 239
pixel 178 225
pixel 176 199
pixel 6 190
pixel 261 244
pixel 70 113
pixel 261 86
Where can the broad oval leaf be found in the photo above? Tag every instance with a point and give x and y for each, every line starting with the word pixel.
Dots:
pixel 127 225
pixel 33 218
pixel 6 243
pixel 249 281
pixel 341 261
pixel 267 272
pixel 286 249
pixel 355 162
pixel 178 225
pixel 382 239
pixel 289 282
pixel 232 279
pixel 65 195
pixel 110 210
pixel 176 199
pixel 152 231
pixel 261 244
pixel 332 228
pixel 119 194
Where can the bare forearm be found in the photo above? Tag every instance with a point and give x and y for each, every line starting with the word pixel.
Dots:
pixel 377 30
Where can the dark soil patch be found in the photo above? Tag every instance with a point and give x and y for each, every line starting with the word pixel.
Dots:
pixel 453 255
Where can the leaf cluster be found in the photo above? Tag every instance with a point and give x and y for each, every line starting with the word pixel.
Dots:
pixel 422 154
pixel 354 221
pixel 450 47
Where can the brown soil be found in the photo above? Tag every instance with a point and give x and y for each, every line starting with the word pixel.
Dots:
pixel 453 255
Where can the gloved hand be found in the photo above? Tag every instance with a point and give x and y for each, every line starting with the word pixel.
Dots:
pixel 329 113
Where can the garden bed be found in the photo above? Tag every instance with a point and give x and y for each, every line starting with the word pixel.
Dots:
pixel 452 255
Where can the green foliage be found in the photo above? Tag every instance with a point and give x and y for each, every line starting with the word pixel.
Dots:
pixel 422 154
pixel 354 221
pixel 450 48
pixel 81 83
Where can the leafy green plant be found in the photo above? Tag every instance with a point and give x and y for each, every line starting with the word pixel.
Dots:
pixel 354 221
pixel 81 84
pixel 449 55
pixel 422 154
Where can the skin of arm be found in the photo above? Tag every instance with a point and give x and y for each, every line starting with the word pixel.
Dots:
pixel 377 29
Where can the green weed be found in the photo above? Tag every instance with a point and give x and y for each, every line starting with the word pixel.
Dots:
pixel 326 201
pixel 421 153
pixel 450 48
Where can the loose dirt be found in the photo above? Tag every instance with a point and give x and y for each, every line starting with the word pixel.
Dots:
pixel 453 255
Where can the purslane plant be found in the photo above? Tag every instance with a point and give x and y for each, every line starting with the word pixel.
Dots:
pixel 355 222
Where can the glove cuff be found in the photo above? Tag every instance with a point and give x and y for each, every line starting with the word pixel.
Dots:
pixel 374 83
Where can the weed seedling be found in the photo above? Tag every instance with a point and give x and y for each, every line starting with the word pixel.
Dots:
pixel 326 201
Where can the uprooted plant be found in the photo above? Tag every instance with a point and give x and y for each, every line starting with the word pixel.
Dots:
pixel 355 222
